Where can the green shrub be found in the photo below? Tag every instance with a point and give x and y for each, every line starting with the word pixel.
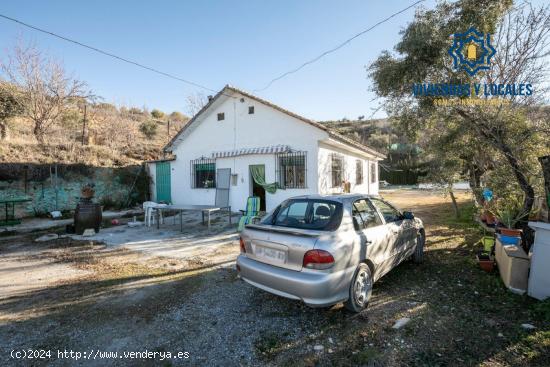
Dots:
pixel 178 116
pixel 158 114
pixel 148 128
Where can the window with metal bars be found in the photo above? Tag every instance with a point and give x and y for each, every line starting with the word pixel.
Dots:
pixel 358 172
pixel 291 170
pixel 203 173
pixel 337 169
pixel 373 172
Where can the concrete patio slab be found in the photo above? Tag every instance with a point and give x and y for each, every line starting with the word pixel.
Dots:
pixel 218 244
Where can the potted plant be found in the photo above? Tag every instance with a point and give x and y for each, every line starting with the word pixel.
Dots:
pixel 509 211
pixel 490 219
pixel 87 192
pixel 486 262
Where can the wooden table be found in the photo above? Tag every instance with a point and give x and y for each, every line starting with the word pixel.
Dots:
pixel 9 218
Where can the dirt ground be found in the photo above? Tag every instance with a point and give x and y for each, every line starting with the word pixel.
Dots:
pixel 93 299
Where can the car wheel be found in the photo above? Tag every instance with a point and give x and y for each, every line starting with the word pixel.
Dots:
pixel 360 289
pixel 418 256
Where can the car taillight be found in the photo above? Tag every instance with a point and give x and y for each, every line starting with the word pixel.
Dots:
pixel 318 259
pixel 241 241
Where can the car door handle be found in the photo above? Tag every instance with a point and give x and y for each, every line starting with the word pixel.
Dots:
pixel 368 242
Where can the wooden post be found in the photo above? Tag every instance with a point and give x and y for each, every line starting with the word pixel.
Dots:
pixel 84 125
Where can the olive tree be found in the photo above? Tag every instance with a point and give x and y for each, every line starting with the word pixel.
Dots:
pixel 504 128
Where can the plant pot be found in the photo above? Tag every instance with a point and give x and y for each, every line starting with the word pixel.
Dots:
pixel 87 192
pixel 483 217
pixel 511 232
pixel 491 220
pixel 486 262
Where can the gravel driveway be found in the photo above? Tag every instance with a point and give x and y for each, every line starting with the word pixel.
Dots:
pixel 119 300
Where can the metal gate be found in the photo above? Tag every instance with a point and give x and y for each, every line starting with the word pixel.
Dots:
pixel 163 185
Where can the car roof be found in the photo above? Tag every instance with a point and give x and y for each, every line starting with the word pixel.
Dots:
pixel 335 197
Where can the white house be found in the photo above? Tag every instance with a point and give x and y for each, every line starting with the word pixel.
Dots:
pixel 243 133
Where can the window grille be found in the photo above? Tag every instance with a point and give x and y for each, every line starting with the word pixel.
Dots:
pixel 203 173
pixel 337 169
pixel 291 170
pixel 373 172
pixel 358 172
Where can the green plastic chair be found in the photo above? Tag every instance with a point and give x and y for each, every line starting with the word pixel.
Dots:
pixel 251 212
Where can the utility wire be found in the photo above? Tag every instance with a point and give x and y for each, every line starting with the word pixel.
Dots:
pixel 108 53
pixel 168 75
pixel 336 48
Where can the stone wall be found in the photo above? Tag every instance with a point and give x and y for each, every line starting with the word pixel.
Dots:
pixel 115 188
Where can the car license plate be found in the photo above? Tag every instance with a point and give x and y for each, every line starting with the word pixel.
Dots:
pixel 271 254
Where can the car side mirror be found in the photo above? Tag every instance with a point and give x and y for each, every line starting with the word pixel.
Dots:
pixel 408 215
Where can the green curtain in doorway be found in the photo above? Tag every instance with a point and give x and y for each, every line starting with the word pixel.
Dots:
pixel 258 174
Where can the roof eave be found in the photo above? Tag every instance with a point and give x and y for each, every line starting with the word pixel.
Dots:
pixel 355 144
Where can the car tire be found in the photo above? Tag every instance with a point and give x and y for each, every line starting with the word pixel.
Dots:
pixel 360 289
pixel 418 256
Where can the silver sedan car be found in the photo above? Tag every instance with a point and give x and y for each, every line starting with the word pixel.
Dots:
pixel 328 249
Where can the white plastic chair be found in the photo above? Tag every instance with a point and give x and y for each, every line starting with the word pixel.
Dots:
pixel 149 207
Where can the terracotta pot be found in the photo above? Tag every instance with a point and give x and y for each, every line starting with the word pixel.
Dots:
pixel 87 192
pixel 486 263
pixel 490 219
pixel 511 232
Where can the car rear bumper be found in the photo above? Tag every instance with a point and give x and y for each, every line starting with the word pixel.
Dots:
pixel 314 288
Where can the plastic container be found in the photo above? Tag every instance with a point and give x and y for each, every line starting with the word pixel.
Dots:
pixel 509 240
pixel 488 242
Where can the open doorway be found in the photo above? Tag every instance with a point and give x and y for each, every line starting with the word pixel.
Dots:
pixel 255 189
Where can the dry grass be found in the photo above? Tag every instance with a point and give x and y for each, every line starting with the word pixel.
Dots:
pixel 460 315
pixel 114 140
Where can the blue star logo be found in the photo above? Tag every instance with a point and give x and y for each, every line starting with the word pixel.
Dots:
pixel 472 51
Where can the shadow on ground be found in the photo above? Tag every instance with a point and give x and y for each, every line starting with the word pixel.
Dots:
pixel 459 314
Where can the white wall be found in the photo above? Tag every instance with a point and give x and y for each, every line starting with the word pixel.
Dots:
pixel 325 171
pixel 239 129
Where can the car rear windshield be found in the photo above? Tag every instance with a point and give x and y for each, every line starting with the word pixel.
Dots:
pixel 323 215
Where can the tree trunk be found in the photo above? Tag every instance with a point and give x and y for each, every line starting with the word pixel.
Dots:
pixel 475 182
pixel 527 189
pixel 545 163
pixel 521 179
pixel 455 205
pixel 3 130
pixel 38 133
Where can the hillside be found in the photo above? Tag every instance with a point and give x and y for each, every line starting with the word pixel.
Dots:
pixel 112 137
pixel 377 134
pixel 404 163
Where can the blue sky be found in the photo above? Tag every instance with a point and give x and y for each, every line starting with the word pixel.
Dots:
pixel 243 43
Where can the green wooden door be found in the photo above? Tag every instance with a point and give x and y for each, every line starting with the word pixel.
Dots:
pixel 163 182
